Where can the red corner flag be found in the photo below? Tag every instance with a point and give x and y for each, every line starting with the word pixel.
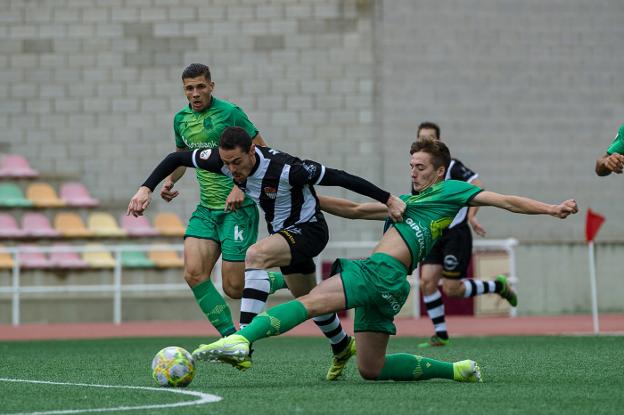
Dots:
pixel 592 224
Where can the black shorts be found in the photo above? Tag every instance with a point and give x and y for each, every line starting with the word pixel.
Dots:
pixel 306 240
pixel 453 251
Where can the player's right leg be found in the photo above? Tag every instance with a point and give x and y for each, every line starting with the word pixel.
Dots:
pixel 200 255
pixel 430 276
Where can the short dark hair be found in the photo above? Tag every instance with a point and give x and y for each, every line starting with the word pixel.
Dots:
pixel 233 137
pixel 440 154
pixel 431 126
pixel 196 69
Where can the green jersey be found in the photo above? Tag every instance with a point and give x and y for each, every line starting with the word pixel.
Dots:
pixel 203 130
pixel 617 145
pixel 431 211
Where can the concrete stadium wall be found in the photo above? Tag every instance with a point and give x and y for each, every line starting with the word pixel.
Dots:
pixel 527 93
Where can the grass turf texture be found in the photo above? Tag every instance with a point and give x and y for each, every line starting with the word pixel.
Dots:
pixel 542 375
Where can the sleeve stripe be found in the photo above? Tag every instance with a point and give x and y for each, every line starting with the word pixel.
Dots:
pixel 193 158
pixel 470 180
pixel 321 175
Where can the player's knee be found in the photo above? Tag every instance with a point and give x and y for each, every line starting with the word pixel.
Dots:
pixel 256 257
pixel 195 276
pixel 369 373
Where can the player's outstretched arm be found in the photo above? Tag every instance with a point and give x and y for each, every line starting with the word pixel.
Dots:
pixel 204 159
pixel 610 163
pixel 519 204
pixel 353 210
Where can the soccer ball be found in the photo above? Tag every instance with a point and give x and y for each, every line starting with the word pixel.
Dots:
pixel 173 366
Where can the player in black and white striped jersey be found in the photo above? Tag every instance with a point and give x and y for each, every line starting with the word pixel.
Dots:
pixel 282 185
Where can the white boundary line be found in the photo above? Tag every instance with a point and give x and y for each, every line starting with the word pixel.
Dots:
pixel 203 398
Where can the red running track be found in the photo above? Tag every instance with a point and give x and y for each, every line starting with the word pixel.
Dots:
pixel 612 324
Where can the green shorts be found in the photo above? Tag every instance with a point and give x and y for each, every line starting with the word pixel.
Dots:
pixel 234 231
pixel 376 287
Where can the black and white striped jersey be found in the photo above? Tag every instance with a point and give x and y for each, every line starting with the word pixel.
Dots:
pixel 458 171
pixel 280 183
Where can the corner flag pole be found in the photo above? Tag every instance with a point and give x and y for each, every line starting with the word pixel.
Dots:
pixel 592 226
pixel 592 282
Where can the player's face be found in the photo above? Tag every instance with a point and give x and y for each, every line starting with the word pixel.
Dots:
pixel 424 174
pixel 239 162
pixel 427 133
pixel 198 91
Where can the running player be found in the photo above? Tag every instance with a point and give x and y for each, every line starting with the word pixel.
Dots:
pixel 225 222
pixel 377 287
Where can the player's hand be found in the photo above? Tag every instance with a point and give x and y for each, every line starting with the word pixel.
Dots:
pixel 476 226
pixel 234 199
pixel 396 208
pixel 139 202
pixel 615 163
pixel 565 208
pixel 166 192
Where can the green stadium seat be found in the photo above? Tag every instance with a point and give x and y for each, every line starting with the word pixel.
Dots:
pixel 136 259
pixel 12 196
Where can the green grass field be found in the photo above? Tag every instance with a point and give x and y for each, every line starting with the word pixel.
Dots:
pixel 522 375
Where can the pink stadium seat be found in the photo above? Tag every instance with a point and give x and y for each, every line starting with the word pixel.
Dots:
pixel 37 225
pixel 76 194
pixel 33 259
pixel 9 228
pixel 66 259
pixel 138 226
pixel 14 165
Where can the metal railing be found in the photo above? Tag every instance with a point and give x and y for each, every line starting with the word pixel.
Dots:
pixel 117 288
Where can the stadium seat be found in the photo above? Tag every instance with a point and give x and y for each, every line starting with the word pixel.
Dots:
pixel 33 259
pixel 6 260
pixel 37 225
pixel 104 224
pixel 43 195
pixel 76 194
pixel 12 196
pixel 136 259
pixel 9 228
pixel 169 224
pixel 99 259
pixel 165 258
pixel 66 259
pixel 70 225
pixel 14 165
pixel 138 226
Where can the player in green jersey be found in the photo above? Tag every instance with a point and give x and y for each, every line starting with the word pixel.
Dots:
pixel 613 160
pixel 376 287
pixel 225 221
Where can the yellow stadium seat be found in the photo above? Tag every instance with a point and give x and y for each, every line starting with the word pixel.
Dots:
pixel 70 225
pixel 166 258
pixel 6 260
pixel 104 224
pixel 169 224
pixel 43 195
pixel 99 259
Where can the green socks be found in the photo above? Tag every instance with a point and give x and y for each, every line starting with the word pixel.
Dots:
pixel 214 307
pixel 276 281
pixel 275 321
pixel 403 366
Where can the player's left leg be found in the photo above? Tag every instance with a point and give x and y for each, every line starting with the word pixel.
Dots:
pixel 375 364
